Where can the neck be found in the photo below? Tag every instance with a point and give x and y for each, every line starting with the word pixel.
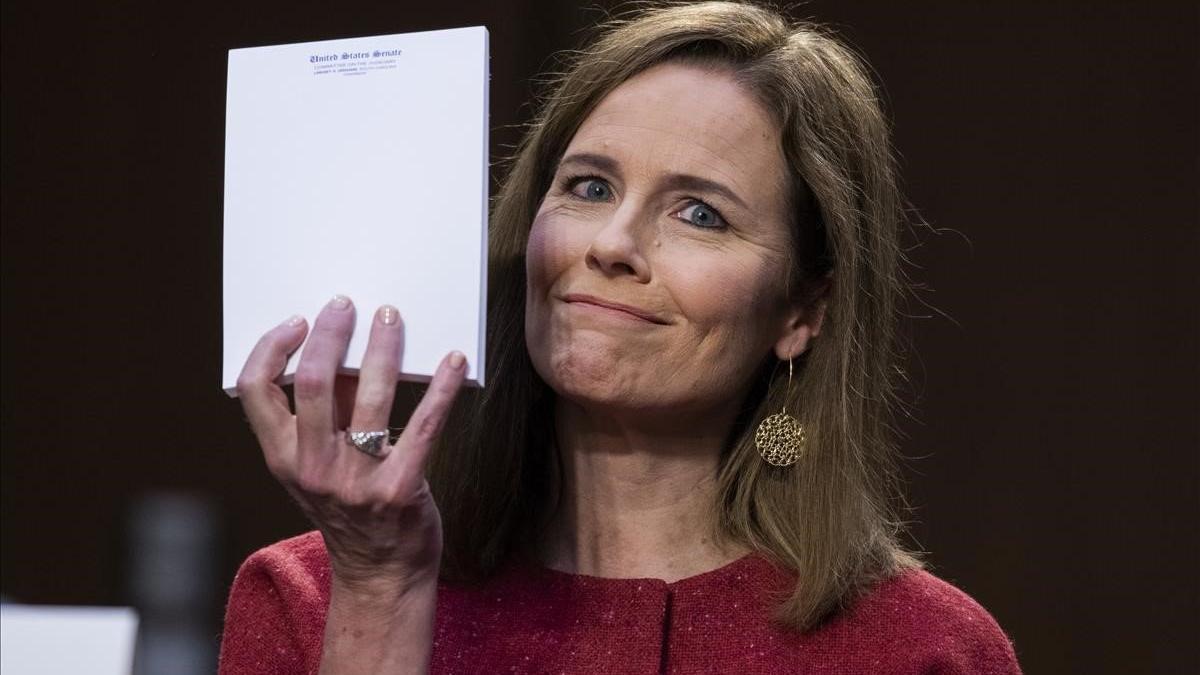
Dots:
pixel 638 499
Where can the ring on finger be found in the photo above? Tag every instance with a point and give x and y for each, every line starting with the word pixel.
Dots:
pixel 373 443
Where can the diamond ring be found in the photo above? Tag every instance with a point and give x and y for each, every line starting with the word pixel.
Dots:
pixel 373 443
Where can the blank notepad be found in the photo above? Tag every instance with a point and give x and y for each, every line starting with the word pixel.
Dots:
pixel 359 167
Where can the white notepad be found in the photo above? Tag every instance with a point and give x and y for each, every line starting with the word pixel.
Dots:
pixel 359 167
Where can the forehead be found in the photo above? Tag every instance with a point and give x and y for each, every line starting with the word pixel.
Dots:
pixel 681 117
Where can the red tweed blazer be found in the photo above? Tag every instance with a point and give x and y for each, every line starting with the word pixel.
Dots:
pixel 534 620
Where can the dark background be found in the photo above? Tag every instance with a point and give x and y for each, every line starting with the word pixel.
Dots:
pixel 1056 451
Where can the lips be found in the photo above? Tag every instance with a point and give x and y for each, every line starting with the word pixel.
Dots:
pixel 635 312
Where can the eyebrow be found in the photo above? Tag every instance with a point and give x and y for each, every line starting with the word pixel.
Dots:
pixel 675 181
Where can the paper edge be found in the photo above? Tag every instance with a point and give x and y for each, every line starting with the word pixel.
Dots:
pixel 481 367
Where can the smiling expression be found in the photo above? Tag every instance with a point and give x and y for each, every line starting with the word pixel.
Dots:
pixel 657 261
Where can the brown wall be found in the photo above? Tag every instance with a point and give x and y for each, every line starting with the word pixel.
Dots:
pixel 1057 442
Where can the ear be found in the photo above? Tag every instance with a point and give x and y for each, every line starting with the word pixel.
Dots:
pixel 803 324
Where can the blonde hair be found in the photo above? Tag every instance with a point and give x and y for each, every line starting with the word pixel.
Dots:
pixel 831 517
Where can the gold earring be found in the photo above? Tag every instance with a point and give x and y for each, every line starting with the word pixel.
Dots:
pixel 780 438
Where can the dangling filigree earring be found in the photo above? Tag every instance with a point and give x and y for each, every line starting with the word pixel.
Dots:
pixel 780 438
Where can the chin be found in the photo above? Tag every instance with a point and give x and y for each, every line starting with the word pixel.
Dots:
pixel 588 375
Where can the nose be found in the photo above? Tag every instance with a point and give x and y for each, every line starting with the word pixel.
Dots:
pixel 616 248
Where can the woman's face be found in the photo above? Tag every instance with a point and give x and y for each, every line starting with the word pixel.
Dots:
pixel 657 260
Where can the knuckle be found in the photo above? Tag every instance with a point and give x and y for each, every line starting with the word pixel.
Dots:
pixel 427 426
pixel 407 505
pixel 249 384
pixel 382 507
pixel 309 384
pixel 351 495
pixel 372 400
pixel 312 484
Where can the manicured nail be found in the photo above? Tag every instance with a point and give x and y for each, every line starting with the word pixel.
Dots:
pixel 296 320
pixel 339 302
pixel 457 360
pixel 388 315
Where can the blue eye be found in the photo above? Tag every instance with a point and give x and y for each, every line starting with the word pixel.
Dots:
pixel 701 215
pixel 592 189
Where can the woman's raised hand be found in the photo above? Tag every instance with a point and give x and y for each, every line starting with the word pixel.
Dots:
pixel 380 524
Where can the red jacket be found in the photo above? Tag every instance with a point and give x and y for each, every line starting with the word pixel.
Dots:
pixel 534 620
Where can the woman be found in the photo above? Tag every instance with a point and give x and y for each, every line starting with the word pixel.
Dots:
pixel 671 472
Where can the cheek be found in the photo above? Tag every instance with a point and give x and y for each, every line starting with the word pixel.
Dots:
pixel 724 293
pixel 535 255
pixel 547 261
pixel 537 279
pixel 548 253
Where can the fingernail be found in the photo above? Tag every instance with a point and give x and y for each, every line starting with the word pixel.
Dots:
pixel 295 320
pixel 339 302
pixel 388 315
pixel 457 360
